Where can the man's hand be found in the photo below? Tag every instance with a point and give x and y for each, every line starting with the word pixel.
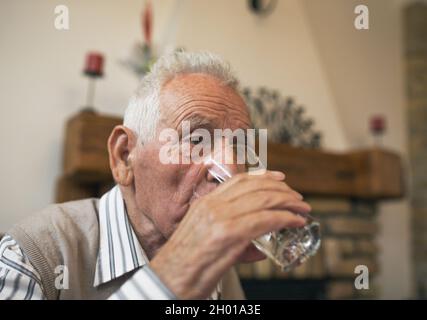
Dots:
pixel 218 228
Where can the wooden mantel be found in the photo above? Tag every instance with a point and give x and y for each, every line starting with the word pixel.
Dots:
pixel 367 174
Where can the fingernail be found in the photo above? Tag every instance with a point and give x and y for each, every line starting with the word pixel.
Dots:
pixel 279 174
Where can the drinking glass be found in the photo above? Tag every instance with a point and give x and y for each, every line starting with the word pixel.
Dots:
pixel 288 247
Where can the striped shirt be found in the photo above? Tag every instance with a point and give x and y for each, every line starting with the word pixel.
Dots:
pixel 119 253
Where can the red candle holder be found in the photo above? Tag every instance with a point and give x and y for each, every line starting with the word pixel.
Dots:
pixel 94 64
pixel 377 125
pixel 93 69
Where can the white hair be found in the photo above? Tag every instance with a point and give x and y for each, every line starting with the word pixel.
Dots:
pixel 143 111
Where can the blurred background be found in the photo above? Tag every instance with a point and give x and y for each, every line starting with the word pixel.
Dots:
pixel 353 84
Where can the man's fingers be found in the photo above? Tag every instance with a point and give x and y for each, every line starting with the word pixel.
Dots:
pixel 259 223
pixel 277 175
pixel 241 185
pixel 265 200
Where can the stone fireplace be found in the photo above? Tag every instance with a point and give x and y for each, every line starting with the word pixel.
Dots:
pixel 348 240
pixel 415 18
pixel 343 190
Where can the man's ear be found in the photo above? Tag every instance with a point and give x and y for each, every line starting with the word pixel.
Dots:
pixel 120 145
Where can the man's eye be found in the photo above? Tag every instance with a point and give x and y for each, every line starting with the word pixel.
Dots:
pixel 196 140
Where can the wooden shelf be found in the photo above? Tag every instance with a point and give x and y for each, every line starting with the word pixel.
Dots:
pixel 366 174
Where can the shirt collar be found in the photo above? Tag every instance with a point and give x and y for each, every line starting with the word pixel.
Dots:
pixel 119 249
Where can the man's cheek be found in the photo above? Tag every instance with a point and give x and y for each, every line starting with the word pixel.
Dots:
pixel 172 218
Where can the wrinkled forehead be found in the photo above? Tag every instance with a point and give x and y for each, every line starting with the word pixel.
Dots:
pixel 204 101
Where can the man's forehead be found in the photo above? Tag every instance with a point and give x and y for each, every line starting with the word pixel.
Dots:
pixel 195 82
pixel 204 100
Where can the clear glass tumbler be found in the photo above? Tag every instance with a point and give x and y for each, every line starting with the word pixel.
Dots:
pixel 288 247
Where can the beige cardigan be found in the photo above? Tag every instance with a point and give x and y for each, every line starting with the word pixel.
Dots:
pixel 68 234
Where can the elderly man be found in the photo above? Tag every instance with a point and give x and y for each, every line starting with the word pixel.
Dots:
pixel 150 237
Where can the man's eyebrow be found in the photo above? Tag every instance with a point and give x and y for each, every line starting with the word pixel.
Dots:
pixel 197 121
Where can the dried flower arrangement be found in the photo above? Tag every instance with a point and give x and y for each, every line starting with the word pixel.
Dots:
pixel 285 121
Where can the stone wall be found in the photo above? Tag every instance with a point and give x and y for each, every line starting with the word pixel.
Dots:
pixel 416 64
pixel 348 239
